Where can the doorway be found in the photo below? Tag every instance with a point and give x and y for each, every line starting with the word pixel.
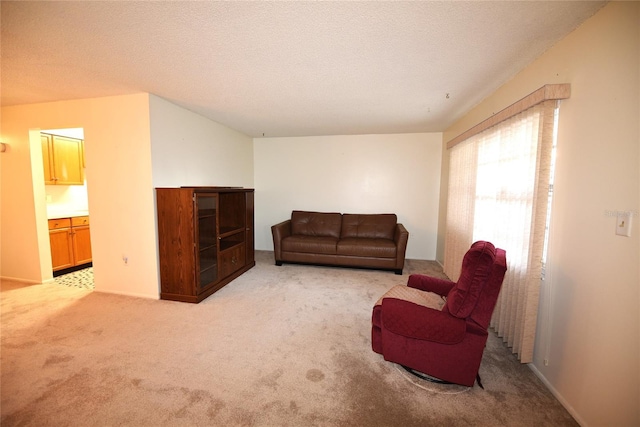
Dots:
pixel 67 206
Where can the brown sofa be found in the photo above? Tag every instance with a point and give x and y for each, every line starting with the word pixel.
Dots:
pixel 353 240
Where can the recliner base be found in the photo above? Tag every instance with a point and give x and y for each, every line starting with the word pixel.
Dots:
pixel 429 378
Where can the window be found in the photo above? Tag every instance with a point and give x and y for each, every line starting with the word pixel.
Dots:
pixel 500 191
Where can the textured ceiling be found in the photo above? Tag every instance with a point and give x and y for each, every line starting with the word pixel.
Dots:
pixel 282 68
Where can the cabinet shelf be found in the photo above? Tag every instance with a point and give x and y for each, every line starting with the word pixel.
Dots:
pixel 229 231
pixel 226 245
pixel 203 270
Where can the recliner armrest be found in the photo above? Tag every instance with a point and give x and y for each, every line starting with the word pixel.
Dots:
pixel 279 232
pixel 414 321
pixel 430 284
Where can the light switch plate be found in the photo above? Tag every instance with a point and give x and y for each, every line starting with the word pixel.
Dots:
pixel 623 224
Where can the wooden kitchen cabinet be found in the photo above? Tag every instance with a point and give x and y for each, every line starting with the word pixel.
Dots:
pixel 61 243
pixel 63 160
pixel 70 241
pixel 47 158
pixel 81 240
pixel 205 239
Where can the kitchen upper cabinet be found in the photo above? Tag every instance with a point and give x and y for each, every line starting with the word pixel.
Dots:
pixel 63 160
pixel 47 158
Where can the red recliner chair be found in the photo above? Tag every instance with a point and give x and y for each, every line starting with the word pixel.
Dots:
pixel 443 340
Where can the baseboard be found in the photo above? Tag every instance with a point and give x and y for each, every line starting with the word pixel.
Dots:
pixel 424 259
pixel 128 294
pixel 557 395
pixel 24 281
pixel 72 269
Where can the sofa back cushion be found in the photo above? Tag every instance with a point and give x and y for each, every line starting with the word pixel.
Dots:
pixel 477 265
pixel 375 226
pixel 316 223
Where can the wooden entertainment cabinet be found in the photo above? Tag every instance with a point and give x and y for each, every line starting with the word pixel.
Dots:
pixel 205 237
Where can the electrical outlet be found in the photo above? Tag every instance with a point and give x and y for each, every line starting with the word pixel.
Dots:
pixel 623 224
pixel 125 259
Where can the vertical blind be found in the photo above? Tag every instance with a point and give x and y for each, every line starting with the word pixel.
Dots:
pixel 499 183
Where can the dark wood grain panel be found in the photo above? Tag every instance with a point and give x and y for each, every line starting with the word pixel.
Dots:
pixel 176 241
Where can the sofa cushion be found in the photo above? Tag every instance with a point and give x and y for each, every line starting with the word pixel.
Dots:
pixel 476 267
pixel 310 244
pixel 362 247
pixel 306 223
pixel 378 226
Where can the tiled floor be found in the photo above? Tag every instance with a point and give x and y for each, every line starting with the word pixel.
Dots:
pixel 79 279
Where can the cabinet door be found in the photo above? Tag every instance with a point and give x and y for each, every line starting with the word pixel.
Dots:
pixel 232 260
pixel 61 248
pixel 47 158
pixel 81 244
pixel 67 160
pixel 206 210
pixel 250 245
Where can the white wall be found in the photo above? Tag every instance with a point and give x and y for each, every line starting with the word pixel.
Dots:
pixel 588 328
pixel 190 150
pixel 351 174
pixel 120 192
pixel 66 198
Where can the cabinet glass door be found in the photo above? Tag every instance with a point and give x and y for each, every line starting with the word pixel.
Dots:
pixel 207 250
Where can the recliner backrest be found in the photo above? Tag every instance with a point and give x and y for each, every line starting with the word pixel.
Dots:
pixel 487 301
pixel 476 269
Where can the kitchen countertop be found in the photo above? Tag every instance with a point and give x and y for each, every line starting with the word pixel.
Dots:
pixel 66 213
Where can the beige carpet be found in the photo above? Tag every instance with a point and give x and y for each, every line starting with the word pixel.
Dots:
pixel 279 346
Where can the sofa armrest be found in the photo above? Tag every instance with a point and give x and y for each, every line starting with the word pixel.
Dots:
pixel 401 237
pixel 279 232
pixel 430 284
pixel 414 321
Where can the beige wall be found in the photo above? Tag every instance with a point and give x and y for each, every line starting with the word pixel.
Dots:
pixel 118 159
pixel 123 167
pixel 589 329
pixel 19 236
pixel 351 174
